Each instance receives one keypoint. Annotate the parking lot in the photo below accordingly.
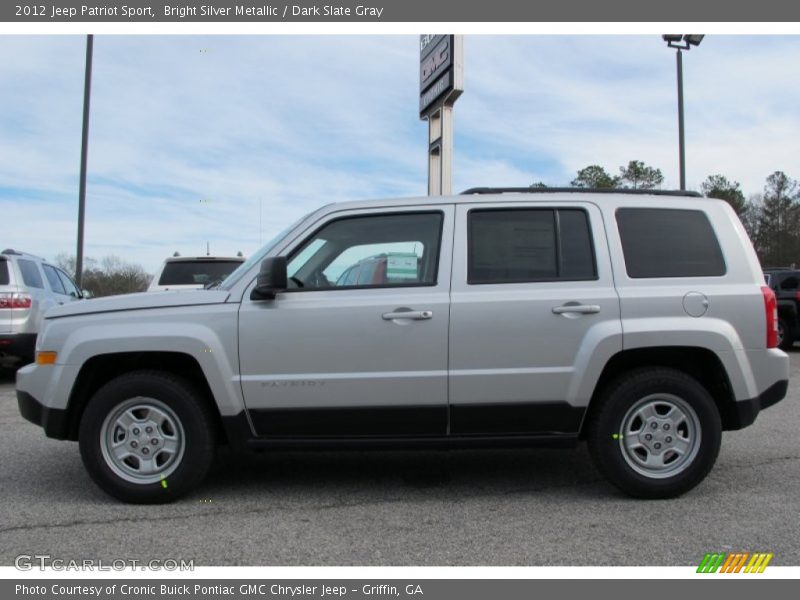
(499, 507)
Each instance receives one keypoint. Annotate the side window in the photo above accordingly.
(790, 283)
(529, 245)
(664, 242)
(370, 251)
(30, 273)
(54, 280)
(69, 286)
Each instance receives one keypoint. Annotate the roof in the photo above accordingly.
(11, 252)
(578, 190)
(483, 195)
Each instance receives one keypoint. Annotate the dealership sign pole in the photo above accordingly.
(87, 92)
(441, 81)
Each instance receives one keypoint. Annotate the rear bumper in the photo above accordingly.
(19, 345)
(746, 411)
(52, 420)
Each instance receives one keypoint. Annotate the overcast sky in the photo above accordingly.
(229, 139)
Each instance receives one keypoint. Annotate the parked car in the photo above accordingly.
(638, 322)
(381, 269)
(29, 286)
(193, 272)
(785, 282)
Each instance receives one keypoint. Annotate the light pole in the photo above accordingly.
(681, 42)
(87, 92)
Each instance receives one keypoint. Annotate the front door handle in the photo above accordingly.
(416, 315)
(581, 309)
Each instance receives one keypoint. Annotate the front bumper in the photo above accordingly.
(746, 411)
(54, 421)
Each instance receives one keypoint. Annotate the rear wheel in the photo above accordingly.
(657, 433)
(147, 437)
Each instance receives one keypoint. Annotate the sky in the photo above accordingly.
(226, 140)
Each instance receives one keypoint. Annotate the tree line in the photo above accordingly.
(108, 276)
(771, 218)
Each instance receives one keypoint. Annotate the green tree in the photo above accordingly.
(594, 176)
(718, 186)
(640, 176)
(537, 184)
(776, 222)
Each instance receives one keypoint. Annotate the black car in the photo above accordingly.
(785, 282)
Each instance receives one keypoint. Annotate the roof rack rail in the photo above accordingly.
(11, 251)
(578, 190)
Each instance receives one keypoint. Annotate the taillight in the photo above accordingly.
(15, 300)
(771, 310)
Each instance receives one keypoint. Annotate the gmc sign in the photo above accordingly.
(439, 69)
(435, 63)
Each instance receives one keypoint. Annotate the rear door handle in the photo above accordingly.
(582, 309)
(416, 315)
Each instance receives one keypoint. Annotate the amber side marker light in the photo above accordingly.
(46, 358)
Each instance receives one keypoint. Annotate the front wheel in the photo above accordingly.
(147, 437)
(656, 434)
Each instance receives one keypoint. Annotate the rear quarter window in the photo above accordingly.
(31, 276)
(4, 277)
(668, 242)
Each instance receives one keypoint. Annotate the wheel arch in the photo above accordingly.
(700, 363)
(102, 368)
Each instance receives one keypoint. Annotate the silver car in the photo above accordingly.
(29, 286)
(636, 322)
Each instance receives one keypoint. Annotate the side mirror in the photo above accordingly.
(86, 294)
(271, 279)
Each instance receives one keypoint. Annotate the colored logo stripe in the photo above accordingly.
(758, 563)
(734, 562)
(711, 562)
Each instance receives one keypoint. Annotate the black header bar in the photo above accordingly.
(373, 11)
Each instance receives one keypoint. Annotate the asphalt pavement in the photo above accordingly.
(458, 507)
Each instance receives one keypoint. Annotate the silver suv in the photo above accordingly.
(29, 286)
(639, 323)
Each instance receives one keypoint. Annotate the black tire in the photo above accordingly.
(194, 420)
(605, 432)
(788, 334)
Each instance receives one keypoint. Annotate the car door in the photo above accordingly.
(56, 284)
(71, 289)
(534, 315)
(334, 357)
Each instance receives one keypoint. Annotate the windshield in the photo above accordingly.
(256, 258)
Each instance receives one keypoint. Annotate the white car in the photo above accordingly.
(193, 272)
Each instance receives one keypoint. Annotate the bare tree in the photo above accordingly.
(109, 277)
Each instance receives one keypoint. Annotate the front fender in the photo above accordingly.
(206, 333)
